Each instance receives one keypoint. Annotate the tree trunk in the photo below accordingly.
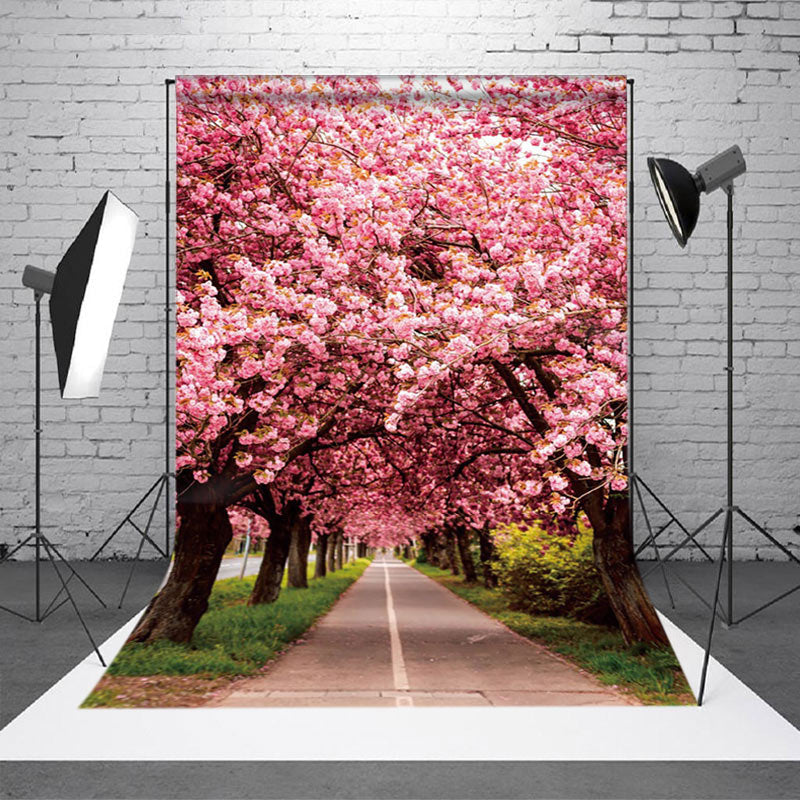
(332, 543)
(267, 587)
(340, 551)
(615, 561)
(613, 545)
(450, 550)
(487, 554)
(425, 539)
(430, 542)
(322, 552)
(202, 537)
(464, 552)
(298, 553)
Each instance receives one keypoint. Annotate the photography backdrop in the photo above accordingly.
(82, 110)
(369, 268)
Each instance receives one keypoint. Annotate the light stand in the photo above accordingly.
(162, 483)
(678, 192)
(84, 296)
(40, 542)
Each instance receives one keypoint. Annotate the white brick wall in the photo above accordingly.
(81, 109)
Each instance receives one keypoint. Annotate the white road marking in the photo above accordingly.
(398, 663)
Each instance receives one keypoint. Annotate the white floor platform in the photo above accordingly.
(733, 724)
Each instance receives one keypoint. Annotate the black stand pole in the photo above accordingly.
(162, 483)
(638, 488)
(167, 300)
(40, 541)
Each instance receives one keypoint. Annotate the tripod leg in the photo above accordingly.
(6, 558)
(785, 550)
(693, 534)
(111, 536)
(53, 606)
(65, 588)
(74, 573)
(720, 609)
(672, 517)
(792, 557)
(18, 614)
(130, 574)
(652, 539)
(145, 534)
(128, 518)
(772, 602)
(22, 544)
(646, 542)
(146, 537)
(707, 654)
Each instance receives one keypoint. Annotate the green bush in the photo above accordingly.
(422, 556)
(550, 574)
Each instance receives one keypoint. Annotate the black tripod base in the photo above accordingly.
(54, 556)
(726, 613)
(731, 621)
(641, 491)
(153, 494)
(159, 487)
(719, 612)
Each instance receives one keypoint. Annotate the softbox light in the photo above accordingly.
(86, 293)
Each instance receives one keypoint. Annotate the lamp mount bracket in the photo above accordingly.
(40, 280)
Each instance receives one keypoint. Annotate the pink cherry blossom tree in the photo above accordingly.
(419, 284)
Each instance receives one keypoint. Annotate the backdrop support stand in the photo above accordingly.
(162, 483)
(635, 483)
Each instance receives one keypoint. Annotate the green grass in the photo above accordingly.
(652, 674)
(233, 638)
(102, 698)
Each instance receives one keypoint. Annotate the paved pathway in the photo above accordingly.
(396, 637)
(232, 567)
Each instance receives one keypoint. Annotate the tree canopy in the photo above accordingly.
(402, 303)
(426, 277)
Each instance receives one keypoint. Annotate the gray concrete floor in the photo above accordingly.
(763, 652)
(34, 656)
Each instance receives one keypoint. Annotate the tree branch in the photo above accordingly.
(536, 419)
(489, 451)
